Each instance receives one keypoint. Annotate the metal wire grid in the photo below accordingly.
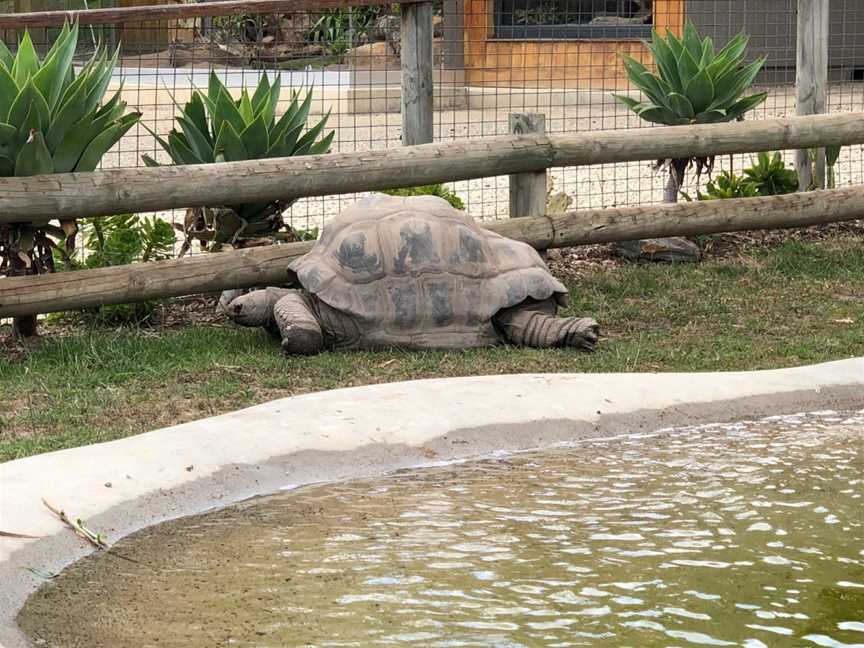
(356, 76)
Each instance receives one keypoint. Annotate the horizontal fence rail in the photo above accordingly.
(152, 189)
(269, 265)
(122, 15)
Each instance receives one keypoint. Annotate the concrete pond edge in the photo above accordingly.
(122, 486)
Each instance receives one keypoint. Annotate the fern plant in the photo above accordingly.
(215, 127)
(120, 240)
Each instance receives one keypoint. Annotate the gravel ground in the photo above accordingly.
(486, 198)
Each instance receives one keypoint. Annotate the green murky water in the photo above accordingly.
(749, 535)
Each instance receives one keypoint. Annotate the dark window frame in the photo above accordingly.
(565, 32)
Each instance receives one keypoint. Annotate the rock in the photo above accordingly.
(671, 250)
(374, 56)
(387, 29)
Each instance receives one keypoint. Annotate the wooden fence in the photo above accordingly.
(151, 189)
(107, 192)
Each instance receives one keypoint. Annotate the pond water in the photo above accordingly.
(745, 535)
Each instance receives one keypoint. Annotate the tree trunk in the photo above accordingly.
(674, 249)
(25, 325)
(677, 169)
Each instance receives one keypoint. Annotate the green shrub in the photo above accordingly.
(728, 185)
(120, 240)
(770, 176)
(429, 190)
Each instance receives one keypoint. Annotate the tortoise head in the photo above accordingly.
(252, 309)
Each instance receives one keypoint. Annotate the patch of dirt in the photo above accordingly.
(576, 262)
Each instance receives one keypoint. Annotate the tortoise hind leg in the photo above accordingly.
(297, 324)
(535, 325)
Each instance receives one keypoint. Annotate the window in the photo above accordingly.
(573, 19)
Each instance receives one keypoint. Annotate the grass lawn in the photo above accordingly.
(797, 303)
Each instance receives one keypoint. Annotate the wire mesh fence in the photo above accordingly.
(491, 58)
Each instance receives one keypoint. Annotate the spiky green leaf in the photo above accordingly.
(730, 89)
(196, 140)
(667, 63)
(660, 115)
(688, 68)
(680, 105)
(707, 52)
(8, 92)
(71, 111)
(101, 144)
(261, 93)
(29, 99)
(630, 102)
(304, 144)
(8, 140)
(692, 41)
(745, 105)
(255, 139)
(180, 151)
(229, 146)
(26, 61)
(244, 106)
(711, 117)
(700, 91)
(7, 167)
(55, 70)
(34, 158)
(7, 60)
(226, 111)
(195, 112)
(319, 148)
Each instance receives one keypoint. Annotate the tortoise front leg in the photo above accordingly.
(297, 323)
(535, 325)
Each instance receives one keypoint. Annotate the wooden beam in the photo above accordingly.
(174, 11)
(151, 189)
(269, 265)
(416, 54)
(811, 81)
(527, 190)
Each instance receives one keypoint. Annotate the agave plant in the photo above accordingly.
(215, 127)
(52, 121)
(694, 84)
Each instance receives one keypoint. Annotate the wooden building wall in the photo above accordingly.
(588, 64)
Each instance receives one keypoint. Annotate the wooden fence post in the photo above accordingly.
(528, 190)
(811, 81)
(416, 55)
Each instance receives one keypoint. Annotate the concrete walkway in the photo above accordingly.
(124, 485)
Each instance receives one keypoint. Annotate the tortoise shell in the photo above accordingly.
(407, 268)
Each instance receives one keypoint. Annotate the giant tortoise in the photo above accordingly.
(414, 273)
